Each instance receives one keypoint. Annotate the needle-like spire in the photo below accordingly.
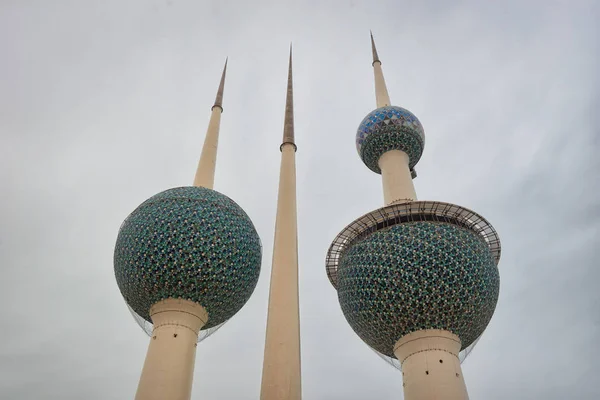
(381, 93)
(281, 377)
(288, 127)
(375, 55)
(219, 98)
(205, 174)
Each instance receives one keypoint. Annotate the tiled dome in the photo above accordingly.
(389, 128)
(418, 275)
(191, 243)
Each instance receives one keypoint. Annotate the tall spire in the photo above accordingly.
(381, 93)
(281, 377)
(205, 173)
(288, 127)
(219, 98)
(374, 49)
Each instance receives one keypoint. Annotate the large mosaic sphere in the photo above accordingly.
(418, 275)
(389, 128)
(190, 243)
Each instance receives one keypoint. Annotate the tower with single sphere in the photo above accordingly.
(186, 260)
(416, 280)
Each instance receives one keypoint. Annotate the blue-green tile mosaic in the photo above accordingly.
(389, 128)
(418, 275)
(191, 243)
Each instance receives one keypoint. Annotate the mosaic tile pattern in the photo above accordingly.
(418, 275)
(192, 243)
(389, 128)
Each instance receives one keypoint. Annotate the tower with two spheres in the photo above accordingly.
(416, 280)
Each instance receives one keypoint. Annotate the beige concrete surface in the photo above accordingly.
(205, 174)
(397, 182)
(281, 377)
(430, 366)
(169, 367)
(381, 93)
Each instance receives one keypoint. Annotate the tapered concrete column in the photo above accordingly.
(381, 93)
(205, 174)
(281, 378)
(430, 366)
(397, 181)
(169, 366)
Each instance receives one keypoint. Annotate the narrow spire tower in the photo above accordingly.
(186, 260)
(205, 174)
(281, 379)
(417, 280)
(381, 94)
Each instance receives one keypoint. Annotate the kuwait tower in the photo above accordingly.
(417, 280)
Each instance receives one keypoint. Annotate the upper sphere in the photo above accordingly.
(414, 276)
(389, 128)
(191, 243)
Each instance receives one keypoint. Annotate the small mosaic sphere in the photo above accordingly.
(188, 243)
(414, 276)
(389, 128)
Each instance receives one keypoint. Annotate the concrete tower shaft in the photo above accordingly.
(430, 365)
(381, 93)
(281, 378)
(205, 174)
(169, 366)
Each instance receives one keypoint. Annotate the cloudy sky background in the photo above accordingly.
(105, 103)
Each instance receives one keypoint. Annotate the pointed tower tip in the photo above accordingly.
(375, 55)
(288, 127)
(219, 98)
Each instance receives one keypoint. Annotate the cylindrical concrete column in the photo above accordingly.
(281, 378)
(381, 93)
(397, 181)
(430, 366)
(205, 174)
(169, 367)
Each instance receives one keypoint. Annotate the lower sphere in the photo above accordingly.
(191, 243)
(418, 275)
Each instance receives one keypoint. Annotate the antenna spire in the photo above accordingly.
(374, 49)
(219, 98)
(288, 126)
(205, 173)
(381, 93)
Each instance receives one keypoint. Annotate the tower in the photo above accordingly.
(416, 280)
(281, 365)
(186, 260)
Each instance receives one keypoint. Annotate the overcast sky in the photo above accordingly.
(105, 103)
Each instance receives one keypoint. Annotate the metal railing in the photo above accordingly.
(413, 211)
